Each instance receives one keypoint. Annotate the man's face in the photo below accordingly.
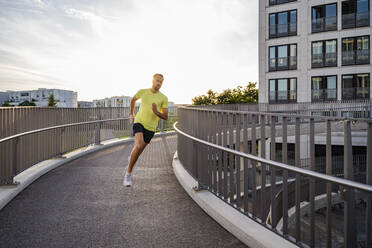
(157, 81)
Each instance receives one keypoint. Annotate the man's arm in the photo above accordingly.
(163, 114)
(132, 105)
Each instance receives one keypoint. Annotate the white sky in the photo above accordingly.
(103, 48)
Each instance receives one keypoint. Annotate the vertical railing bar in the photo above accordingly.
(312, 183)
(298, 180)
(254, 167)
(272, 172)
(369, 182)
(285, 176)
(263, 168)
(237, 147)
(219, 142)
(349, 209)
(329, 185)
(231, 157)
(225, 172)
(246, 169)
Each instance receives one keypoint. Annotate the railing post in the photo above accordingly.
(329, 185)
(98, 133)
(349, 201)
(369, 182)
(161, 126)
(15, 160)
(60, 142)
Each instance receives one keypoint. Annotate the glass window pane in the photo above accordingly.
(272, 23)
(362, 89)
(293, 50)
(316, 88)
(348, 51)
(347, 81)
(332, 82)
(362, 50)
(362, 6)
(331, 17)
(331, 10)
(293, 22)
(293, 89)
(272, 55)
(282, 56)
(331, 46)
(318, 47)
(317, 12)
(348, 91)
(331, 91)
(283, 23)
(317, 56)
(272, 90)
(282, 89)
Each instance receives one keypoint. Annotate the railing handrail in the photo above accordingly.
(57, 127)
(291, 115)
(63, 126)
(313, 174)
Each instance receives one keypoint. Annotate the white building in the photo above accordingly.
(64, 98)
(311, 51)
(4, 97)
(85, 104)
(115, 101)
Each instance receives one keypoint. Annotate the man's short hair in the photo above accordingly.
(158, 74)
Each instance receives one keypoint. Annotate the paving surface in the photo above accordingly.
(83, 204)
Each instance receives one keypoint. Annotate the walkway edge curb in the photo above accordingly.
(246, 230)
(25, 178)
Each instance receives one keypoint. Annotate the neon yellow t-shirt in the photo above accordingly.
(145, 116)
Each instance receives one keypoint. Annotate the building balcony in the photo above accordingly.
(355, 93)
(320, 95)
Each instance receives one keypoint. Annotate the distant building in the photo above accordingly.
(4, 96)
(85, 104)
(115, 101)
(64, 98)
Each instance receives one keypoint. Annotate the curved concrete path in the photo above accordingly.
(83, 204)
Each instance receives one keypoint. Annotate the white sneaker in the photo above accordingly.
(127, 182)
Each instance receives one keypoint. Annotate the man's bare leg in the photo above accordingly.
(139, 146)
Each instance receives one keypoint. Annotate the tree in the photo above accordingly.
(209, 99)
(27, 103)
(52, 102)
(6, 104)
(249, 94)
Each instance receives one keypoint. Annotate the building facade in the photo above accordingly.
(4, 97)
(85, 104)
(314, 51)
(115, 101)
(64, 98)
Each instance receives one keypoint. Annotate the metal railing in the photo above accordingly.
(361, 108)
(22, 119)
(21, 151)
(232, 154)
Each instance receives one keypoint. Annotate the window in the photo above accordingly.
(283, 57)
(24, 93)
(355, 13)
(324, 53)
(324, 18)
(355, 50)
(324, 88)
(283, 90)
(275, 2)
(283, 24)
(355, 86)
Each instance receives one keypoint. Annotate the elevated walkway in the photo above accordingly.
(83, 204)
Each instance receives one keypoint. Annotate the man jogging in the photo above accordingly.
(154, 105)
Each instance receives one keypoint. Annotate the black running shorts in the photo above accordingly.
(147, 134)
